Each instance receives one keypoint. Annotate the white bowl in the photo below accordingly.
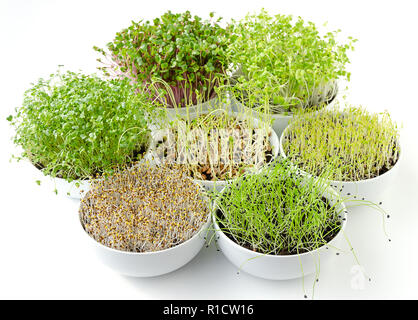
(281, 267)
(368, 190)
(74, 190)
(150, 264)
(219, 185)
(78, 188)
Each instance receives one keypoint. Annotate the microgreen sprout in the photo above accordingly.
(75, 126)
(144, 209)
(279, 212)
(179, 54)
(217, 145)
(281, 63)
(358, 144)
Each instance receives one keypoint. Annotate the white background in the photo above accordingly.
(43, 252)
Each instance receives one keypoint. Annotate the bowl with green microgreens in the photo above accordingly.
(216, 147)
(275, 224)
(73, 127)
(181, 58)
(361, 148)
(145, 220)
(282, 64)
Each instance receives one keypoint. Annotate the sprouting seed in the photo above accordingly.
(143, 209)
(271, 213)
(216, 145)
(356, 144)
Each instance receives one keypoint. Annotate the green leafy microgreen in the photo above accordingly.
(74, 126)
(278, 211)
(185, 52)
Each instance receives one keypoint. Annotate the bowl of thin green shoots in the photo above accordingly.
(275, 224)
(361, 147)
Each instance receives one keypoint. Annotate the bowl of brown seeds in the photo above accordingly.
(146, 220)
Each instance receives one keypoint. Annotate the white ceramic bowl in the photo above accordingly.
(219, 184)
(277, 267)
(150, 264)
(368, 190)
(74, 190)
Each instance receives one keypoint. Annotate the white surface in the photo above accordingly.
(43, 250)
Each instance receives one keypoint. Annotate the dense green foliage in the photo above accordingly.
(282, 63)
(184, 51)
(76, 126)
(278, 212)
